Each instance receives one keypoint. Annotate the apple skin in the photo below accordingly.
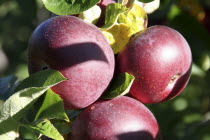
(122, 118)
(79, 51)
(160, 59)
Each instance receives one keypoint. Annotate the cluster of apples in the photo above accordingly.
(159, 57)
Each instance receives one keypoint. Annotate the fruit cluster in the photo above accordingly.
(158, 57)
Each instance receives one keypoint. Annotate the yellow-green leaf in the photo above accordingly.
(136, 19)
(118, 36)
(128, 24)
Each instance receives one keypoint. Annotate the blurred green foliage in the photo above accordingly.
(187, 117)
(18, 18)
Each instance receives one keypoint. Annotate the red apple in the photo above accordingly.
(122, 118)
(160, 59)
(79, 51)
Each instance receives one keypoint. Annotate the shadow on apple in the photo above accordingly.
(80, 53)
(139, 135)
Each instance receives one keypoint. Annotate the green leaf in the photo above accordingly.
(27, 133)
(7, 85)
(46, 128)
(69, 7)
(19, 103)
(14, 109)
(47, 109)
(120, 86)
(62, 127)
(9, 129)
(113, 10)
(145, 1)
(42, 78)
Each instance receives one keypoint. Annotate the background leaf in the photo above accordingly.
(15, 108)
(7, 86)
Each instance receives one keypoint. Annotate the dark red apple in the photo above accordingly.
(160, 59)
(122, 118)
(79, 51)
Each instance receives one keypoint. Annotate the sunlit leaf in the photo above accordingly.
(118, 36)
(128, 23)
(69, 7)
(136, 19)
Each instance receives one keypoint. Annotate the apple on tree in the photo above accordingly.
(160, 59)
(79, 51)
(122, 118)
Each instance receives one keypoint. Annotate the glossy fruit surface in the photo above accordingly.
(79, 51)
(160, 59)
(122, 118)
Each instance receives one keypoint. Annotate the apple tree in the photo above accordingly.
(104, 70)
